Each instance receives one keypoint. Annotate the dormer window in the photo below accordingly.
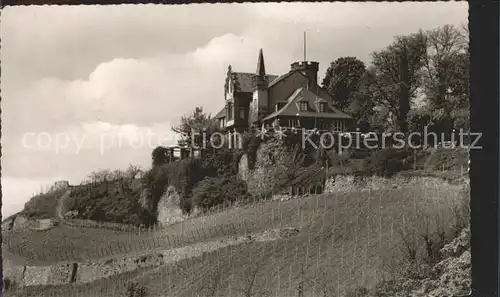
(303, 105)
(322, 107)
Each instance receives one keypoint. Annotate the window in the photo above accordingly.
(242, 113)
(337, 126)
(293, 123)
(229, 111)
(322, 107)
(303, 105)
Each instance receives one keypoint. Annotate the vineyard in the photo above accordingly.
(346, 241)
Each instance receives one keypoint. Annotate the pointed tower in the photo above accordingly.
(259, 105)
(261, 68)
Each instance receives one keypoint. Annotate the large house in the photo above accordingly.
(291, 100)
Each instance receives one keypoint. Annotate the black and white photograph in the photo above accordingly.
(236, 150)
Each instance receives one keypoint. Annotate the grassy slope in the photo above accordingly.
(346, 238)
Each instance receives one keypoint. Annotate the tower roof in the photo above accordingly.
(261, 69)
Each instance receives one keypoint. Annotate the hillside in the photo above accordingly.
(42, 206)
(383, 213)
(115, 198)
(109, 201)
(344, 241)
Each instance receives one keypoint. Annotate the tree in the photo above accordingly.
(219, 190)
(342, 79)
(361, 106)
(133, 170)
(395, 75)
(419, 118)
(445, 76)
(193, 126)
(160, 156)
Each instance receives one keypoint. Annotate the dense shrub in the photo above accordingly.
(186, 174)
(251, 144)
(218, 162)
(219, 190)
(386, 162)
(446, 159)
(109, 202)
(183, 175)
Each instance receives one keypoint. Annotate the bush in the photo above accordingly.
(216, 191)
(251, 144)
(109, 202)
(186, 174)
(217, 162)
(183, 175)
(387, 162)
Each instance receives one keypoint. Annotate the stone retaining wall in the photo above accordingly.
(92, 271)
(340, 183)
(36, 275)
(60, 274)
(22, 223)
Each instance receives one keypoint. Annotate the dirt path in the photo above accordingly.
(60, 203)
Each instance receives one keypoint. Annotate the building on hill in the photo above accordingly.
(58, 185)
(291, 100)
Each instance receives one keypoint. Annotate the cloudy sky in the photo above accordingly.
(95, 87)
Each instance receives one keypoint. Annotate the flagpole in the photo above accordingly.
(305, 46)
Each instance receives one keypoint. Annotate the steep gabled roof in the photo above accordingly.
(243, 81)
(281, 77)
(221, 113)
(302, 94)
